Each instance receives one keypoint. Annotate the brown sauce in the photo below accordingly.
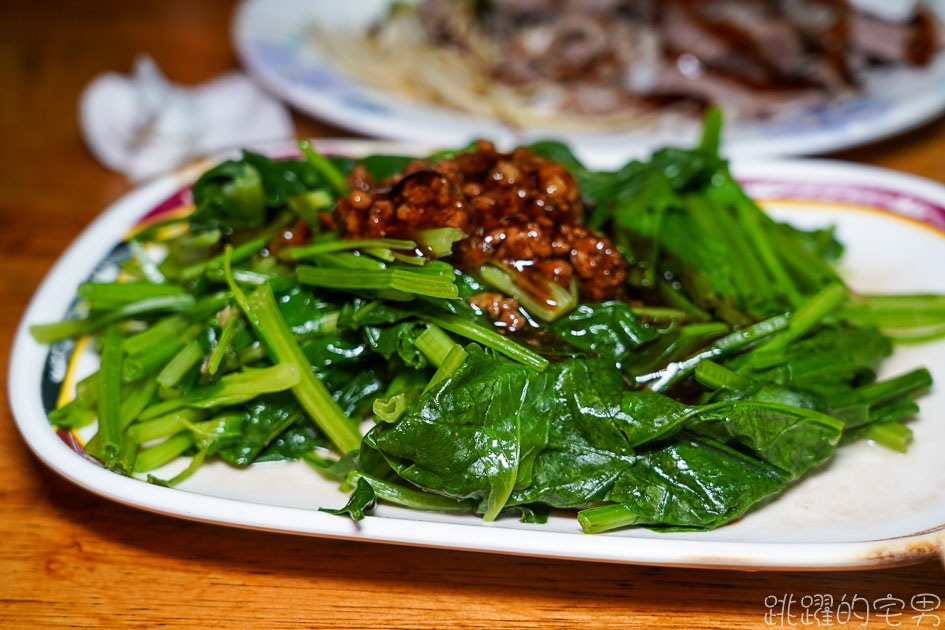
(517, 209)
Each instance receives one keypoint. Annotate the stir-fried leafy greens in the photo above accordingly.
(744, 363)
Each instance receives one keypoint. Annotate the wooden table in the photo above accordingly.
(68, 557)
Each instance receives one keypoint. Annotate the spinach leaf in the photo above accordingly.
(831, 360)
(689, 484)
(361, 500)
(333, 350)
(238, 193)
(585, 453)
(282, 179)
(382, 167)
(535, 513)
(273, 427)
(475, 434)
(300, 438)
(398, 340)
(229, 195)
(559, 152)
(505, 435)
(609, 330)
(220, 432)
(268, 416)
(793, 439)
(303, 312)
(355, 387)
(336, 469)
(361, 312)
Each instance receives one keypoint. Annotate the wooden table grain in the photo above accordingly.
(70, 558)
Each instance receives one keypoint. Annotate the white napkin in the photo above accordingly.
(143, 124)
(892, 10)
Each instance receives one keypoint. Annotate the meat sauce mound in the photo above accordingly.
(517, 209)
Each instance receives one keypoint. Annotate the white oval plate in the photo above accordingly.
(272, 39)
(869, 507)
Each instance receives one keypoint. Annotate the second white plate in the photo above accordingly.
(273, 39)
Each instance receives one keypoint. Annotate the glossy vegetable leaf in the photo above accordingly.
(360, 312)
(268, 416)
(599, 443)
(397, 340)
(354, 388)
(220, 432)
(300, 438)
(383, 166)
(282, 179)
(238, 193)
(475, 434)
(832, 359)
(690, 484)
(334, 350)
(609, 330)
(794, 439)
(363, 499)
(230, 194)
(306, 314)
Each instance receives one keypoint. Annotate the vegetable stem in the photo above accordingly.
(238, 253)
(396, 279)
(391, 408)
(308, 251)
(165, 452)
(607, 517)
(452, 362)
(488, 338)
(440, 240)
(263, 313)
(109, 399)
(107, 295)
(715, 376)
(434, 344)
(186, 358)
(51, 333)
(892, 435)
(548, 302)
(157, 355)
(233, 324)
(334, 178)
(729, 344)
(164, 426)
(807, 316)
(750, 217)
(309, 205)
(238, 387)
(135, 402)
(884, 391)
(159, 333)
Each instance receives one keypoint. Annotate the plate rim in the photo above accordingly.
(908, 115)
(27, 358)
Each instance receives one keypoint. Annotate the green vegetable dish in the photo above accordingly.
(499, 334)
